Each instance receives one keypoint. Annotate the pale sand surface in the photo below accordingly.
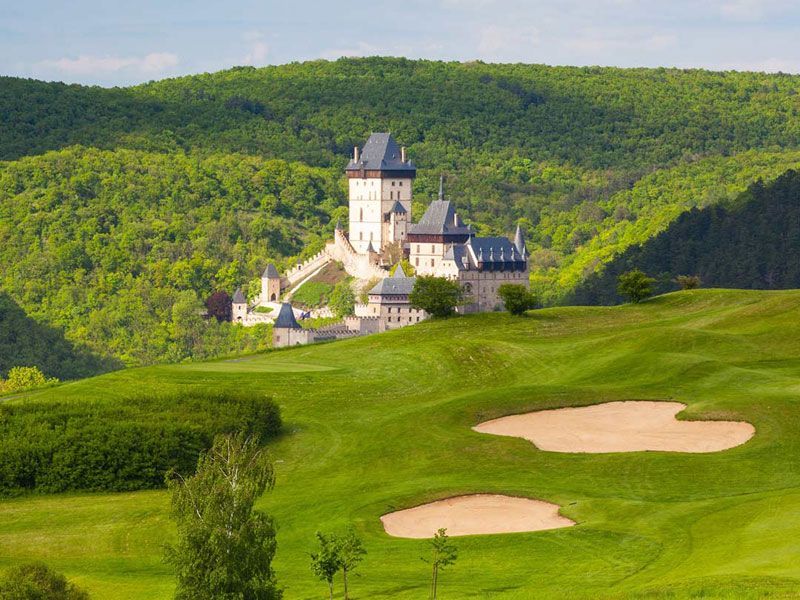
(629, 426)
(475, 514)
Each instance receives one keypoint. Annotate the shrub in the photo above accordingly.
(517, 298)
(343, 300)
(436, 295)
(688, 282)
(635, 285)
(37, 581)
(218, 306)
(25, 378)
(120, 445)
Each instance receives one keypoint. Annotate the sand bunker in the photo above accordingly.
(631, 426)
(475, 514)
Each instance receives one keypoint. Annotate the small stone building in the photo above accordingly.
(389, 302)
(270, 285)
(286, 331)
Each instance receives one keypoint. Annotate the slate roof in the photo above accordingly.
(271, 272)
(238, 297)
(399, 272)
(398, 208)
(494, 249)
(441, 218)
(519, 241)
(395, 286)
(459, 254)
(381, 152)
(285, 318)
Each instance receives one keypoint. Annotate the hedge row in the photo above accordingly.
(120, 445)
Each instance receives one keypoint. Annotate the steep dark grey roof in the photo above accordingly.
(238, 297)
(394, 286)
(285, 318)
(519, 241)
(370, 247)
(494, 249)
(398, 208)
(271, 272)
(440, 218)
(381, 152)
(399, 273)
(458, 253)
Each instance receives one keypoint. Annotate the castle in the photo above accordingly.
(380, 232)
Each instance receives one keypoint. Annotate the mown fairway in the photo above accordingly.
(383, 422)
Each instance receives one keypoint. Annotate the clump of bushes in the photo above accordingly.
(120, 444)
(25, 378)
(36, 580)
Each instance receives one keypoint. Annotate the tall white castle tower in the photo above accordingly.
(380, 178)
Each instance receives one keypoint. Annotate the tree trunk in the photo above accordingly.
(344, 576)
(330, 587)
(433, 581)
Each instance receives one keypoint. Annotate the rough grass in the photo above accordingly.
(388, 427)
(312, 294)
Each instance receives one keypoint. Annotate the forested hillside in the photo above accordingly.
(752, 243)
(121, 248)
(116, 203)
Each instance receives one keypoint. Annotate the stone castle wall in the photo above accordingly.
(357, 265)
(304, 269)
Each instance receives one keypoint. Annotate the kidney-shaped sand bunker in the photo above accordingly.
(629, 426)
(475, 514)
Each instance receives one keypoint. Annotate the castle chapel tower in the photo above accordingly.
(380, 177)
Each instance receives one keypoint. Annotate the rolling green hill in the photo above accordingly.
(383, 422)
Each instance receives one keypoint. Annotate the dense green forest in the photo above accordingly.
(121, 248)
(25, 341)
(121, 209)
(753, 242)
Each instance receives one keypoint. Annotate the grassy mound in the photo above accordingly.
(387, 427)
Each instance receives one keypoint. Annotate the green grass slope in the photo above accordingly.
(383, 422)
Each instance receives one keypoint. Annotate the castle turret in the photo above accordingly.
(286, 331)
(380, 175)
(270, 284)
(238, 306)
(519, 242)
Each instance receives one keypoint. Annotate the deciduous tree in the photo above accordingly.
(327, 560)
(225, 547)
(342, 300)
(635, 285)
(688, 282)
(444, 554)
(218, 305)
(516, 298)
(351, 553)
(436, 295)
(37, 581)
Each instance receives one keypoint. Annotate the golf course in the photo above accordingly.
(384, 423)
